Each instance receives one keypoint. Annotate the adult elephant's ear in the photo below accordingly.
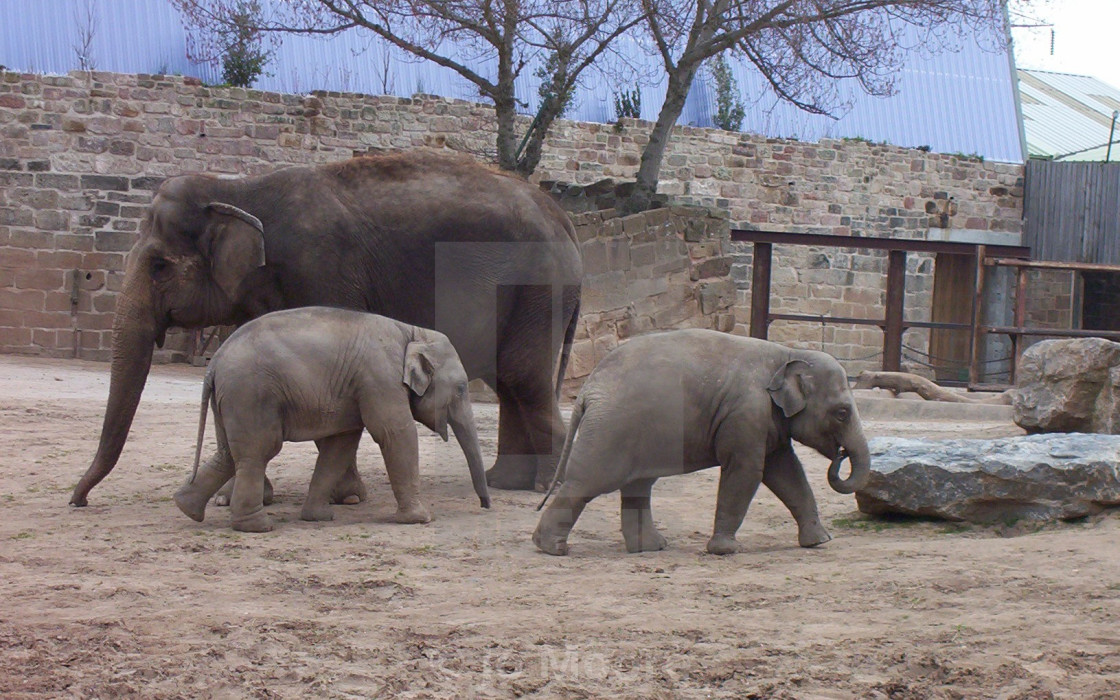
(233, 243)
(418, 366)
(790, 386)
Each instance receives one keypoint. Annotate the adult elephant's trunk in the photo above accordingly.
(462, 424)
(135, 331)
(854, 445)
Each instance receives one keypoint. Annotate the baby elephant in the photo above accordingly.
(323, 374)
(675, 402)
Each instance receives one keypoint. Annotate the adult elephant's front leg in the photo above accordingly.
(785, 476)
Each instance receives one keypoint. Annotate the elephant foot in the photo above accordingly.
(191, 503)
(349, 491)
(646, 542)
(256, 522)
(723, 544)
(319, 512)
(813, 535)
(412, 516)
(223, 496)
(513, 473)
(553, 545)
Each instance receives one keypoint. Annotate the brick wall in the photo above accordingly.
(80, 155)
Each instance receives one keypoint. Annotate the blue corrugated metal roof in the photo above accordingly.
(953, 102)
(1067, 117)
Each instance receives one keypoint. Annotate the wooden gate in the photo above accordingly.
(954, 286)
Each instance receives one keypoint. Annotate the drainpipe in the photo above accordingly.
(1111, 131)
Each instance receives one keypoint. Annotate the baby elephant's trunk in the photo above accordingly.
(854, 446)
(462, 424)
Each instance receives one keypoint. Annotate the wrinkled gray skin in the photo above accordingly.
(675, 402)
(324, 374)
(431, 240)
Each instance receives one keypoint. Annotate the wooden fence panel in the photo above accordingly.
(1072, 211)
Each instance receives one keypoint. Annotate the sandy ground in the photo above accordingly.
(128, 597)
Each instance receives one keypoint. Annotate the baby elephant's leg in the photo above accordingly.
(401, 452)
(637, 518)
(785, 476)
(558, 519)
(247, 505)
(349, 490)
(336, 456)
(192, 496)
(224, 494)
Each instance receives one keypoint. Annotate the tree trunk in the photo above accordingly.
(899, 382)
(680, 82)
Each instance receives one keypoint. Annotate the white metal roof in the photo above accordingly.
(1067, 117)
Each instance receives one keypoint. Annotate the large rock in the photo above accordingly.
(1034, 477)
(1067, 386)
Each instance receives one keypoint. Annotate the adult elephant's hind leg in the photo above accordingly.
(530, 428)
(515, 468)
(637, 518)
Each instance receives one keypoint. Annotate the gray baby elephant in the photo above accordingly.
(324, 374)
(675, 402)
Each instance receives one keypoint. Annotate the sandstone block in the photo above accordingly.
(1068, 385)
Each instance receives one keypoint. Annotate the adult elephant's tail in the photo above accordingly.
(566, 350)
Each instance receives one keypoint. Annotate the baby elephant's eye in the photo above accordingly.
(462, 390)
(843, 414)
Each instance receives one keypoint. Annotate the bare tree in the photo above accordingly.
(801, 47)
(85, 17)
(487, 42)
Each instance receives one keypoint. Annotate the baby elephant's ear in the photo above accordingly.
(788, 388)
(418, 367)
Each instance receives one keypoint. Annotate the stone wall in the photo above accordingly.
(80, 155)
(658, 270)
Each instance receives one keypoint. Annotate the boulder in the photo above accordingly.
(1068, 385)
(1054, 476)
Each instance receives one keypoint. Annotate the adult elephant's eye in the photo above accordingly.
(843, 414)
(160, 268)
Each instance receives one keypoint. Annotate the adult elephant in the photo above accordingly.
(432, 240)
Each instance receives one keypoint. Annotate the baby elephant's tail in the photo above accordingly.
(207, 392)
(562, 465)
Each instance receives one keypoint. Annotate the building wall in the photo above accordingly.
(81, 154)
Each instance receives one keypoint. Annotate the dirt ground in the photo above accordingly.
(128, 597)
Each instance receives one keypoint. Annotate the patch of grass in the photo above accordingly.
(24, 535)
(968, 156)
(954, 528)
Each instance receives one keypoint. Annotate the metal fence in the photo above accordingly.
(1072, 211)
